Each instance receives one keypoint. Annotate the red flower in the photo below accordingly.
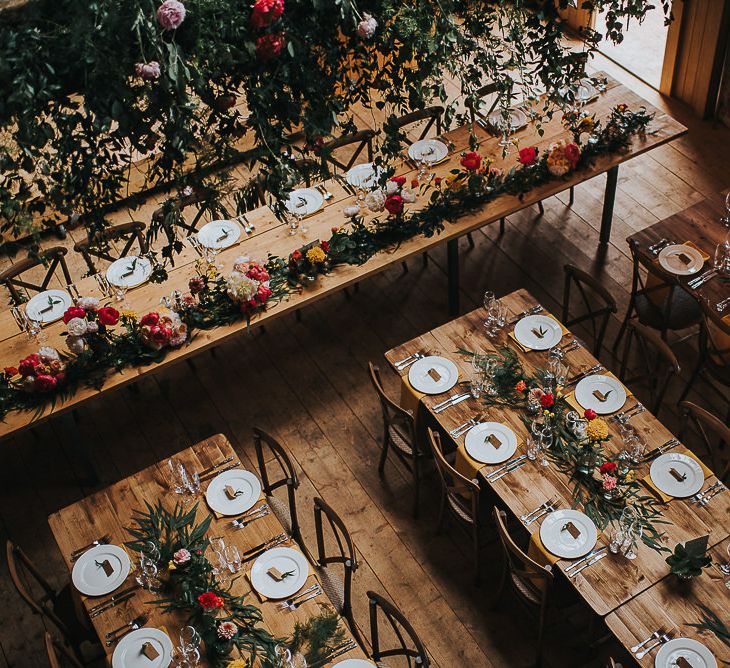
(590, 414)
(28, 366)
(160, 335)
(265, 12)
(108, 315)
(73, 312)
(325, 246)
(400, 180)
(196, 285)
(335, 229)
(263, 293)
(607, 468)
(210, 601)
(269, 46)
(150, 319)
(528, 155)
(471, 161)
(10, 371)
(547, 400)
(572, 154)
(414, 183)
(520, 386)
(394, 204)
(437, 181)
(44, 383)
(296, 255)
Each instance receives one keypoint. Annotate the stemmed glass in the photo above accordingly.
(149, 557)
(505, 127)
(233, 558)
(34, 329)
(634, 444)
(546, 442)
(557, 371)
(477, 382)
(190, 644)
(120, 292)
(496, 317)
(631, 530)
(182, 483)
(489, 297)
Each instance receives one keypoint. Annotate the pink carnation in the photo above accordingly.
(367, 27)
(148, 71)
(170, 14)
(609, 482)
(182, 556)
(227, 630)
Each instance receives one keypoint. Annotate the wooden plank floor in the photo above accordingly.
(306, 383)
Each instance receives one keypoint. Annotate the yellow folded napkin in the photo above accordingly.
(409, 398)
(465, 465)
(666, 498)
(704, 255)
(539, 553)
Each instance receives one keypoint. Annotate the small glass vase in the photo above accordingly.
(586, 460)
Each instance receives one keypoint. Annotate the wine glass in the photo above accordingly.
(496, 318)
(546, 442)
(34, 329)
(477, 382)
(147, 570)
(218, 544)
(120, 292)
(533, 447)
(489, 297)
(179, 660)
(233, 558)
(179, 476)
(190, 644)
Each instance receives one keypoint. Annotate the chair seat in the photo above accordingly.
(332, 586)
(399, 441)
(459, 509)
(281, 511)
(525, 589)
(685, 311)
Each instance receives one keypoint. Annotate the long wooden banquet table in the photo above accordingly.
(613, 581)
(272, 237)
(110, 510)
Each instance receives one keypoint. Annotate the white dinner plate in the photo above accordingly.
(119, 274)
(128, 653)
(695, 652)
(610, 387)
(421, 382)
(585, 92)
(684, 465)
(219, 234)
(559, 541)
(354, 663)
(48, 306)
(304, 201)
(479, 448)
(551, 330)
(432, 151)
(670, 259)
(89, 577)
(363, 176)
(241, 481)
(285, 560)
(517, 119)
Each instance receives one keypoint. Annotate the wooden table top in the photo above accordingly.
(613, 580)
(701, 224)
(673, 604)
(271, 236)
(110, 510)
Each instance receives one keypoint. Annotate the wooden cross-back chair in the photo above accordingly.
(55, 606)
(399, 435)
(338, 589)
(362, 140)
(657, 299)
(715, 435)
(97, 244)
(204, 199)
(460, 497)
(530, 580)
(58, 653)
(408, 645)
(432, 115)
(472, 102)
(658, 365)
(597, 304)
(52, 259)
(270, 454)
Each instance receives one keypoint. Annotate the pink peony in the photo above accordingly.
(182, 556)
(609, 482)
(367, 27)
(227, 630)
(170, 14)
(148, 71)
(269, 46)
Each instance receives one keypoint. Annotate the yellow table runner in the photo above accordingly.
(665, 497)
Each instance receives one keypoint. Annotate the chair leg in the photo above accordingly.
(417, 487)
(470, 239)
(442, 512)
(690, 383)
(502, 222)
(425, 259)
(477, 560)
(405, 267)
(356, 288)
(383, 453)
(500, 587)
(571, 199)
(621, 331)
(541, 208)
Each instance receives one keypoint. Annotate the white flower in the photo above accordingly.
(367, 27)
(375, 200)
(408, 195)
(391, 187)
(76, 344)
(89, 303)
(240, 287)
(187, 191)
(92, 327)
(351, 211)
(76, 327)
(48, 354)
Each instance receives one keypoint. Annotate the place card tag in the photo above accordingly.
(494, 441)
(539, 333)
(276, 574)
(572, 530)
(683, 663)
(679, 477)
(149, 651)
(434, 374)
(600, 396)
(684, 259)
(231, 493)
(106, 567)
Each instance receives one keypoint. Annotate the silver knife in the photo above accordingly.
(116, 597)
(587, 564)
(458, 400)
(446, 401)
(112, 604)
(592, 553)
(509, 470)
(506, 466)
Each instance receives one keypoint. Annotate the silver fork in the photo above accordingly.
(284, 605)
(242, 522)
(21, 320)
(103, 540)
(309, 597)
(544, 504)
(722, 304)
(545, 511)
(665, 637)
(103, 284)
(402, 364)
(625, 416)
(466, 426)
(708, 497)
(653, 636)
(702, 279)
(325, 193)
(701, 494)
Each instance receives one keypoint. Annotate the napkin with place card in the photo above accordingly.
(679, 477)
(231, 493)
(600, 395)
(683, 663)
(277, 575)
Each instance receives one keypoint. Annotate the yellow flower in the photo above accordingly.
(587, 123)
(126, 313)
(316, 255)
(597, 430)
(171, 565)
(237, 663)
(630, 476)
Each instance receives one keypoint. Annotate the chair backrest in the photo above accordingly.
(461, 493)
(276, 457)
(401, 420)
(363, 139)
(432, 115)
(58, 652)
(715, 435)
(171, 213)
(21, 568)
(473, 102)
(52, 259)
(714, 337)
(97, 244)
(657, 363)
(534, 577)
(400, 632)
(597, 304)
(335, 547)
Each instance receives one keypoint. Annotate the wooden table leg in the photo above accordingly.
(608, 202)
(452, 252)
